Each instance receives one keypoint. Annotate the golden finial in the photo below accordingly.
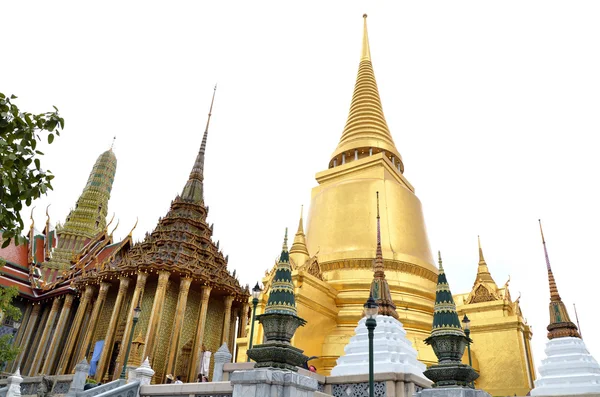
(481, 258)
(31, 216)
(113, 143)
(301, 223)
(366, 50)
(440, 261)
(377, 193)
(210, 109)
(285, 247)
(111, 220)
(118, 221)
(134, 226)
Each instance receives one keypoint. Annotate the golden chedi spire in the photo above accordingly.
(366, 128)
(483, 273)
(560, 323)
(299, 253)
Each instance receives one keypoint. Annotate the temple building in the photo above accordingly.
(78, 288)
(497, 319)
(333, 260)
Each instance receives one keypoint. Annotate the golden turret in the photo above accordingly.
(299, 253)
(483, 273)
(366, 129)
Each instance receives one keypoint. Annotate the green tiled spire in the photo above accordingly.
(445, 317)
(88, 218)
(281, 298)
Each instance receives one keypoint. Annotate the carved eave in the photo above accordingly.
(312, 267)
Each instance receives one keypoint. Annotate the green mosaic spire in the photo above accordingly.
(88, 218)
(281, 298)
(445, 317)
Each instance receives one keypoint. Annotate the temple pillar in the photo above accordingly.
(232, 322)
(35, 344)
(227, 319)
(244, 320)
(156, 314)
(112, 327)
(135, 299)
(75, 327)
(195, 357)
(28, 334)
(40, 353)
(89, 333)
(58, 334)
(184, 288)
(19, 336)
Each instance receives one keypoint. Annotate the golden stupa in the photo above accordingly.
(333, 262)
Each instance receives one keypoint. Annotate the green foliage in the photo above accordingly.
(8, 351)
(22, 178)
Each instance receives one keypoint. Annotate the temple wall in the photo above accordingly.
(147, 302)
(188, 332)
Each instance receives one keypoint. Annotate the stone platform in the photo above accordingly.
(452, 392)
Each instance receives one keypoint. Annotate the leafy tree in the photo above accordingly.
(8, 350)
(21, 175)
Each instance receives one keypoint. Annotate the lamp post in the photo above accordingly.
(371, 309)
(16, 325)
(255, 294)
(467, 327)
(136, 315)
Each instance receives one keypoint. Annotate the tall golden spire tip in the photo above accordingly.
(541, 231)
(366, 50)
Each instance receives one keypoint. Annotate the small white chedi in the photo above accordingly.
(567, 369)
(392, 351)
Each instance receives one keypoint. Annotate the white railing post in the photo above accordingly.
(144, 374)
(13, 383)
(81, 372)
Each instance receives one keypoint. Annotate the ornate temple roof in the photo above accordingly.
(366, 127)
(380, 290)
(281, 296)
(445, 317)
(182, 240)
(560, 322)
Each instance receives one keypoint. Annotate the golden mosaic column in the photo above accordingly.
(28, 334)
(184, 288)
(139, 289)
(244, 320)
(156, 314)
(75, 328)
(227, 319)
(197, 350)
(112, 327)
(231, 341)
(89, 333)
(41, 349)
(58, 334)
(19, 336)
(35, 343)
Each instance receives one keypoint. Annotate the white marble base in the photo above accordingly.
(568, 369)
(272, 383)
(452, 392)
(393, 352)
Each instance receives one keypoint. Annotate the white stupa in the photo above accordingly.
(568, 369)
(392, 351)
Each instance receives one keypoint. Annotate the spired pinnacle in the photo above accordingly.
(483, 273)
(560, 323)
(366, 129)
(380, 289)
(194, 188)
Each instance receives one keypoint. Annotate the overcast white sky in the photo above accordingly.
(493, 105)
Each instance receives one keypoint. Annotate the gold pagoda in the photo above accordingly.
(333, 259)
